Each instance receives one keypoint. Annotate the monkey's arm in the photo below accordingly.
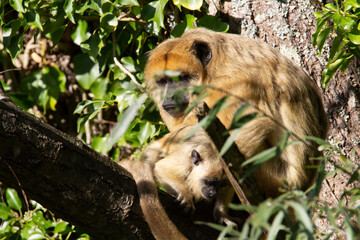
(160, 224)
(171, 172)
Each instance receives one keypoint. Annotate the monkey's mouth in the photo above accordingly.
(175, 109)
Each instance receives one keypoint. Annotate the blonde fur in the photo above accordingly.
(257, 73)
(169, 161)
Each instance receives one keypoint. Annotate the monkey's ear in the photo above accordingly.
(202, 52)
(195, 157)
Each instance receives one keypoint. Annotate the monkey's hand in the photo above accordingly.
(186, 200)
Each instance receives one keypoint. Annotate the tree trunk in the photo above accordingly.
(76, 183)
(288, 26)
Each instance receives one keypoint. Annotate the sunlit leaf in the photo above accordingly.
(124, 122)
(80, 34)
(17, 5)
(69, 10)
(189, 4)
(302, 216)
(12, 199)
(108, 22)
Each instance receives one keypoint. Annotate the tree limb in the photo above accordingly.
(75, 182)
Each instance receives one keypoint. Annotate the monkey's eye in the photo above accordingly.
(163, 81)
(212, 182)
(184, 78)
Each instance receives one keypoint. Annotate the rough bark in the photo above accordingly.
(288, 26)
(77, 183)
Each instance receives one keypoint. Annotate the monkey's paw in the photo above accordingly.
(186, 200)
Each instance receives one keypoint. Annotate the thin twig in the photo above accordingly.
(9, 70)
(331, 191)
(117, 63)
(19, 183)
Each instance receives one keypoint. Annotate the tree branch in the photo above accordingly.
(76, 183)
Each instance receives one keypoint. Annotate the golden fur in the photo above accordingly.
(257, 73)
(172, 162)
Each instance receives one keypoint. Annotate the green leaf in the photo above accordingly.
(33, 18)
(99, 87)
(61, 227)
(159, 12)
(213, 23)
(124, 122)
(80, 34)
(45, 86)
(239, 120)
(15, 46)
(276, 226)
(86, 71)
(189, 4)
(12, 199)
(323, 35)
(5, 211)
(108, 22)
(331, 7)
(344, 22)
(17, 5)
(128, 63)
(147, 130)
(229, 142)
(69, 10)
(335, 46)
(259, 159)
(186, 24)
(302, 215)
(354, 35)
(92, 46)
(129, 3)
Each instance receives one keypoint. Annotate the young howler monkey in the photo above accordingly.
(188, 169)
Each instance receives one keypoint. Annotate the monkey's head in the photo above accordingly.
(186, 56)
(206, 176)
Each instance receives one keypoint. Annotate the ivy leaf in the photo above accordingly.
(15, 46)
(108, 22)
(159, 12)
(69, 10)
(33, 18)
(80, 34)
(17, 5)
(86, 71)
(187, 23)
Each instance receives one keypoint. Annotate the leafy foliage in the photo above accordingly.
(106, 44)
(343, 20)
(37, 223)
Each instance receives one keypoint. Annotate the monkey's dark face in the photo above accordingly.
(175, 101)
(210, 187)
(211, 183)
(190, 59)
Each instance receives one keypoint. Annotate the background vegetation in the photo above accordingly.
(66, 57)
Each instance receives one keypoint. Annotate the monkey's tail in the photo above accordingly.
(160, 225)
